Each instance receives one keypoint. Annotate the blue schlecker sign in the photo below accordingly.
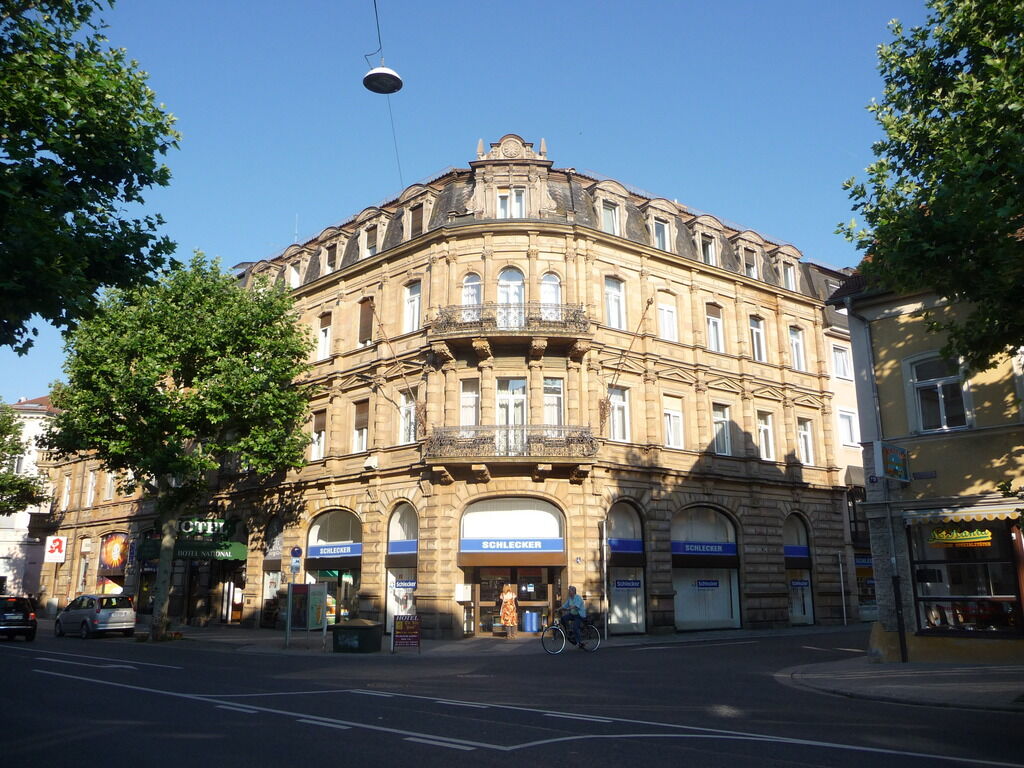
(511, 545)
(799, 583)
(627, 583)
(794, 551)
(403, 547)
(631, 546)
(703, 548)
(707, 583)
(405, 584)
(335, 550)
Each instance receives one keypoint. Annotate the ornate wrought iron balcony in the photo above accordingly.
(528, 318)
(536, 441)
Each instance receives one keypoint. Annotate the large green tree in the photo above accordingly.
(17, 490)
(80, 140)
(943, 203)
(168, 380)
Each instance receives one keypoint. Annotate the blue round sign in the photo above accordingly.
(296, 551)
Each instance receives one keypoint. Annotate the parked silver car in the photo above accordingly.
(89, 615)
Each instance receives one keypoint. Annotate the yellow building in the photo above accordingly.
(938, 442)
(532, 376)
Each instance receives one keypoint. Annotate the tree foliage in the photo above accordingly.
(167, 381)
(943, 202)
(80, 138)
(17, 491)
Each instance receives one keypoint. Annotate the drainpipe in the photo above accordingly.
(897, 590)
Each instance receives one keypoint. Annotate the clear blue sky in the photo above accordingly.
(753, 111)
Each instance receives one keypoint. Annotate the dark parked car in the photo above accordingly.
(17, 617)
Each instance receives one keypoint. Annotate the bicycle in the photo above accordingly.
(554, 636)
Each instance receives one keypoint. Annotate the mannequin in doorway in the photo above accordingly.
(509, 611)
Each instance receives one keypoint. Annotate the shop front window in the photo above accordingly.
(965, 578)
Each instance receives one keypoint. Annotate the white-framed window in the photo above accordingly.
(553, 402)
(848, 428)
(411, 312)
(472, 297)
(469, 402)
(765, 436)
(721, 421)
(512, 203)
(788, 276)
(708, 252)
(672, 410)
(668, 327)
(370, 241)
(615, 303)
(757, 348)
(610, 218)
(716, 331)
(938, 394)
(65, 496)
(805, 440)
(618, 413)
(841, 365)
(318, 445)
(750, 263)
(109, 486)
(407, 418)
(330, 258)
(295, 274)
(90, 493)
(661, 234)
(323, 337)
(798, 358)
(360, 426)
(550, 297)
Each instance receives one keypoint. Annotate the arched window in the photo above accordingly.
(403, 530)
(551, 297)
(335, 534)
(511, 298)
(794, 537)
(472, 297)
(500, 526)
(702, 525)
(624, 531)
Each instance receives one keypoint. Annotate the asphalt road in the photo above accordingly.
(116, 702)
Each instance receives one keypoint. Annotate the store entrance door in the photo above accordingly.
(535, 588)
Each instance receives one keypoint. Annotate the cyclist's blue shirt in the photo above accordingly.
(574, 605)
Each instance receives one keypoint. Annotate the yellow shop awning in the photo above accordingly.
(960, 514)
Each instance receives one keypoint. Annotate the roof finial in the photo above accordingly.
(479, 149)
(543, 148)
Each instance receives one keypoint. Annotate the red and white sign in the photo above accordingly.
(56, 549)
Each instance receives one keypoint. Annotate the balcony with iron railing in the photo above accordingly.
(547, 443)
(526, 319)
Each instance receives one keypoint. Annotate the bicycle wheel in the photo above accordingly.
(553, 639)
(590, 638)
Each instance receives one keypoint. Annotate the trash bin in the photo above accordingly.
(357, 636)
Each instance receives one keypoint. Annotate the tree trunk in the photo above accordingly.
(162, 585)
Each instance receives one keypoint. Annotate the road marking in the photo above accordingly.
(85, 656)
(461, 704)
(84, 664)
(581, 717)
(246, 710)
(440, 743)
(691, 645)
(339, 726)
(851, 650)
(372, 693)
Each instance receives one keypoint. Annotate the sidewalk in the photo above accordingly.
(963, 686)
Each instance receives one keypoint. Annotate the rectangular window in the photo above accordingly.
(371, 241)
(65, 497)
(618, 413)
(805, 441)
(707, 250)
(848, 432)
(553, 402)
(940, 394)
(365, 322)
(765, 438)
(667, 326)
(672, 410)
(416, 220)
(757, 349)
(407, 418)
(796, 349)
(90, 494)
(661, 234)
(469, 402)
(512, 203)
(323, 338)
(614, 303)
(411, 318)
(610, 218)
(788, 276)
(716, 337)
(720, 416)
(318, 445)
(750, 263)
(108, 488)
(294, 275)
(360, 426)
(841, 362)
(331, 259)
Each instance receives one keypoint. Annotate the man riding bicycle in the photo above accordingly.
(573, 613)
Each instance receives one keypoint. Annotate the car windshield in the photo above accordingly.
(115, 602)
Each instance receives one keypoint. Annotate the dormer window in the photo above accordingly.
(750, 263)
(331, 259)
(512, 203)
(788, 276)
(610, 218)
(371, 241)
(707, 250)
(661, 234)
(416, 220)
(295, 274)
